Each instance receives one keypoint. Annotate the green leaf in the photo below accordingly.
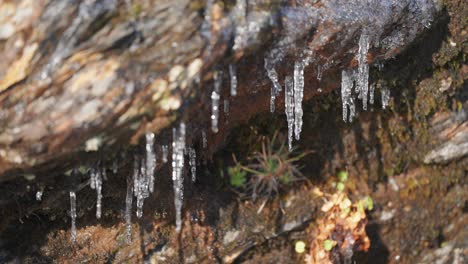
(340, 186)
(342, 176)
(328, 244)
(237, 177)
(369, 203)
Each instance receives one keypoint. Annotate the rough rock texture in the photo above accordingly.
(146, 65)
(83, 75)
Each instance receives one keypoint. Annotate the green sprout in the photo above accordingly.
(342, 176)
(328, 244)
(340, 186)
(237, 176)
(368, 203)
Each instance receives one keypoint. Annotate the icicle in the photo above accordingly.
(215, 96)
(193, 163)
(319, 72)
(128, 210)
(39, 195)
(204, 139)
(98, 186)
(150, 160)
(272, 100)
(346, 97)
(140, 185)
(233, 75)
(73, 215)
(178, 146)
(385, 92)
(362, 83)
(273, 76)
(371, 93)
(165, 152)
(299, 66)
(289, 107)
(226, 106)
(92, 179)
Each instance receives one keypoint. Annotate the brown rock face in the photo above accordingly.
(83, 75)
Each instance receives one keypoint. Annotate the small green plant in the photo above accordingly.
(342, 178)
(237, 176)
(329, 244)
(269, 169)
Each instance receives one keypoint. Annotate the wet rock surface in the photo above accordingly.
(84, 81)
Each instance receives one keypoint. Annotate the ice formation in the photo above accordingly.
(347, 81)
(299, 66)
(73, 215)
(215, 96)
(289, 107)
(140, 185)
(385, 92)
(96, 183)
(233, 78)
(150, 160)
(178, 147)
(128, 211)
(362, 82)
(165, 153)
(273, 76)
(371, 93)
(193, 163)
(39, 195)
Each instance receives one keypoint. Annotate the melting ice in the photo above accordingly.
(233, 78)
(165, 153)
(289, 107)
(128, 210)
(347, 80)
(150, 160)
(193, 163)
(178, 147)
(73, 215)
(215, 96)
(96, 183)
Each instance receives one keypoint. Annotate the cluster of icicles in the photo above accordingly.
(294, 88)
(142, 181)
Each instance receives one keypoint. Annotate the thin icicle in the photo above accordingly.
(362, 82)
(273, 76)
(385, 92)
(193, 163)
(39, 195)
(178, 147)
(319, 72)
(140, 185)
(371, 93)
(215, 96)
(150, 160)
(128, 210)
(165, 153)
(289, 107)
(204, 139)
(73, 215)
(233, 77)
(346, 96)
(299, 67)
(98, 186)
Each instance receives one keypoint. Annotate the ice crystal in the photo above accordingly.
(178, 147)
